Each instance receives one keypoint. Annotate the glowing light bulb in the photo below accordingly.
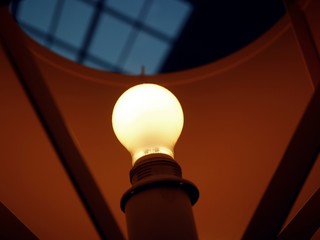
(147, 119)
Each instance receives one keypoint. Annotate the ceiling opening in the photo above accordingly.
(162, 36)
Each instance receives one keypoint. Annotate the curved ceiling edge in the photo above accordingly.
(166, 79)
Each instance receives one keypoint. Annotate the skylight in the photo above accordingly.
(114, 35)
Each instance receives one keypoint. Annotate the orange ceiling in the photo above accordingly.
(240, 113)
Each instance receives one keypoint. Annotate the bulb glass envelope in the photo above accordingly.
(147, 119)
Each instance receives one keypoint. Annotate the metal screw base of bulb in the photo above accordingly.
(156, 170)
(154, 166)
(159, 203)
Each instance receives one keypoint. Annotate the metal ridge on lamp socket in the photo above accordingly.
(158, 170)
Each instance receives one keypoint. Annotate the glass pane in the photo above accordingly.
(37, 13)
(147, 51)
(110, 37)
(74, 22)
(63, 51)
(131, 8)
(168, 16)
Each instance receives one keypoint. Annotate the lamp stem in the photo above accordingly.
(159, 204)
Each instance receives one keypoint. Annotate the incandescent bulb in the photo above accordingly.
(147, 119)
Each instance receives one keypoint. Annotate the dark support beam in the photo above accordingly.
(52, 121)
(289, 177)
(305, 39)
(298, 158)
(11, 227)
(306, 222)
